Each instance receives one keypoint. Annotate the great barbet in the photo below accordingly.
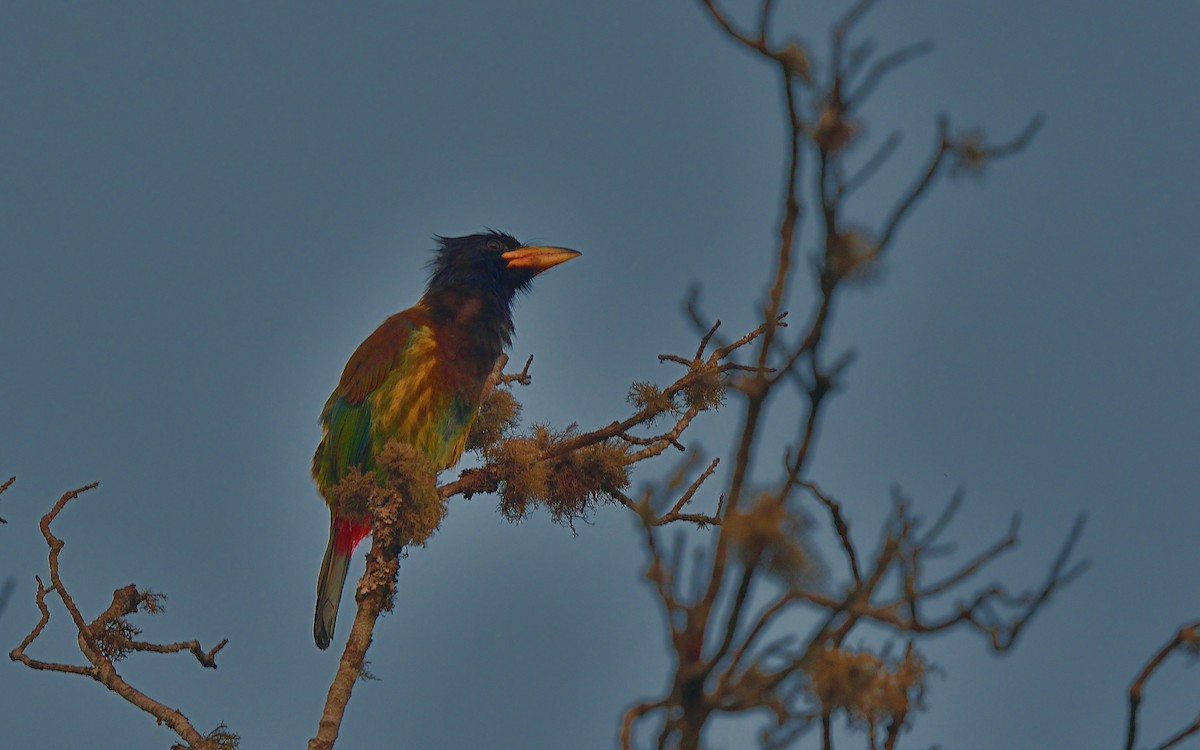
(419, 379)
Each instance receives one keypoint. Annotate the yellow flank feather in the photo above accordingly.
(412, 405)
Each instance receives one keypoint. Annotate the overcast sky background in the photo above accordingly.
(205, 207)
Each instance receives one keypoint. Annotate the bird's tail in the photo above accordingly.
(344, 536)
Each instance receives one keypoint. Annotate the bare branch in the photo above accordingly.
(758, 45)
(5, 486)
(972, 154)
(631, 716)
(1021, 141)
(701, 520)
(106, 639)
(840, 526)
(1181, 735)
(764, 21)
(885, 65)
(1187, 636)
(686, 497)
(704, 341)
(374, 590)
(499, 377)
(902, 209)
(522, 377)
(977, 614)
(871, 166)
(18, 654)
(844, 26)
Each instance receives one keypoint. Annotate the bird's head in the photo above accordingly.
(491, 265)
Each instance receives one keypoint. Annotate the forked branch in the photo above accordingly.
(1187, 638)
(110, 637)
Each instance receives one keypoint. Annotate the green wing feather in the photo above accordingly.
(347, 417)
(347, 441)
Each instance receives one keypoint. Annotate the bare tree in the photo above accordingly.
(732, 586)
(733, 653)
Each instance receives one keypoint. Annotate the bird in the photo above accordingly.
(419, 379)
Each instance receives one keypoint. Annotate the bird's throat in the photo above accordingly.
(472, 331)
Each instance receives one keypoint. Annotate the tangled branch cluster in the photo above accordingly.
(732, 658)
(733, 630)
(110, 637)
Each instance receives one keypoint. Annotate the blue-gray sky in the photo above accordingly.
(204, 208)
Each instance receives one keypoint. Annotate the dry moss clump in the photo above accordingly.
(771, 535)
(707, 389)
(870, 690)
(497, 418)
(406, 500)
(221, 738)
(114, 635)
(568, 486)
(399, 495)
(351, 496)
(649, 396)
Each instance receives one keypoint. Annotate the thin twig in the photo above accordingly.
(1187, 635)
(870, 167)
(902, 209)
(840, 526)
(4, 487)
(885, 65)
(758, 45)
(764, 21)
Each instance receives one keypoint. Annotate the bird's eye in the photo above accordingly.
(495, 246)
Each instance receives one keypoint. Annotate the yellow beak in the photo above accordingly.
(538, 258)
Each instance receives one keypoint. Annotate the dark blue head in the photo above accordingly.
(491, 266)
